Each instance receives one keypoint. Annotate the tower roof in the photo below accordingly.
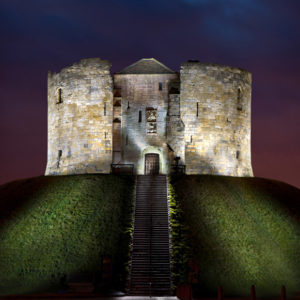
(147, 66)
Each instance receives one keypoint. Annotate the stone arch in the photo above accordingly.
(162, 159)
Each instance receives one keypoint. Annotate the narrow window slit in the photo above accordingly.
(104, 108)
(160, 86)
(197, 109)
(59, 157)
(140, 116)
(59, 96)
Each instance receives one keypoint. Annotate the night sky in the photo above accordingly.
(260, 36)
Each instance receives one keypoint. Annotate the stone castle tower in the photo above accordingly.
(149, 118)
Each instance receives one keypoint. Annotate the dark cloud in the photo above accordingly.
(261, 36)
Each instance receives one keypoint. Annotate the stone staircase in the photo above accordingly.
(150, 261)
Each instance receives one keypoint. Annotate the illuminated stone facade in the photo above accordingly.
(80, 119)
(199, 118)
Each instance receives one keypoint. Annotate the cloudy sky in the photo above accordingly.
(259, 35)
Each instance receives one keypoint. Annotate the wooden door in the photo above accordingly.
(151, 164)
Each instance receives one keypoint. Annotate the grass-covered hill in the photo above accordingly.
(52, 228)
(238, 232)
(234, 232)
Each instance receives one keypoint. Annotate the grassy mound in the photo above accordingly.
(238, 232)
(53, 227)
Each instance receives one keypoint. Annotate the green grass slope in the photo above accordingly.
(238, 232)
(51, 227)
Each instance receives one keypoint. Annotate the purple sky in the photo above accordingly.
(260, 36)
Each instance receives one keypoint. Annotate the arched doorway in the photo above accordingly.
(151, 164)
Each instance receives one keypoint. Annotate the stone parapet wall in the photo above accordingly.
(215, 107)
(80, 118)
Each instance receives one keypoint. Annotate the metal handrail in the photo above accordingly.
(179, 169)
(123, 169)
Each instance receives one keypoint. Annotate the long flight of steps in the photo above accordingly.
(150, 261)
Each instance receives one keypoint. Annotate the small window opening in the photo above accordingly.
(104, 108)
(151, 119)
(191, 138)
(105, 135)
(140, 116)
(237, 155)
(59, 157)
(197, 109)
(117, 92)
(59, 96)
(160, 86)
(117, 103)
(128, 105)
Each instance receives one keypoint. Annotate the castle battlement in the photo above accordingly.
(150, 117)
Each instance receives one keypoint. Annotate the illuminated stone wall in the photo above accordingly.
(80, 118)
(215, 103)
(175, 130)
(141, 97)
(203, 117)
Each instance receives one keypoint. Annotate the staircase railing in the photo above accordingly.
(122, 169)
(178, 169)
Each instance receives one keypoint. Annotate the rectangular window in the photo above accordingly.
(151, 118)
(197, 109)
(104, 108)
(140, 116)
(160, 86)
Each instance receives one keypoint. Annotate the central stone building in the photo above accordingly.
(149, 118)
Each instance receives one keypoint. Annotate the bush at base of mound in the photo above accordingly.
(57, 226)
(235, 232)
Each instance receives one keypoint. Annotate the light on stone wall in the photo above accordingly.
(143, 148)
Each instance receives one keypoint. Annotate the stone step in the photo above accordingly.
(150, 258)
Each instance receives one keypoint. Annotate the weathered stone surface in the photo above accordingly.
(215, 107)
(175, 130)
(203, 117)
(140, 93)
(80, 127)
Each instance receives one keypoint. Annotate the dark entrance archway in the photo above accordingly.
(151, 164)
